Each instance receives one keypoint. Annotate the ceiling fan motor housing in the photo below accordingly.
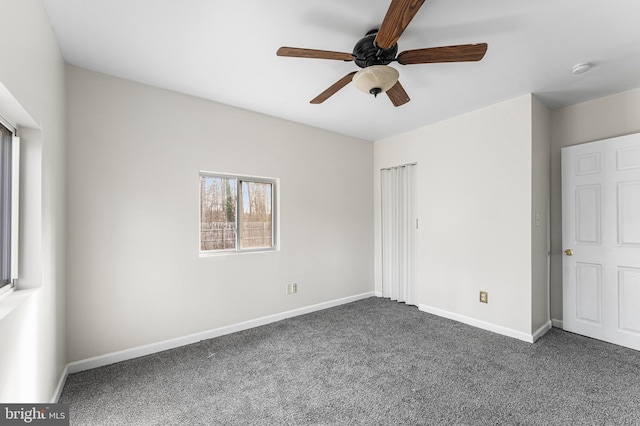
(366, 53)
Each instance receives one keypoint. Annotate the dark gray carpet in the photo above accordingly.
(372, 362)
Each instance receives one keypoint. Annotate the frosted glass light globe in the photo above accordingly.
(376, 79)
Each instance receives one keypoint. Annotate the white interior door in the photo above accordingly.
(601, 240)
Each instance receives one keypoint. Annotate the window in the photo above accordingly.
(9, 150)
(237, 213)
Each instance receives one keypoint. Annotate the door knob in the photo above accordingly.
(568, 252)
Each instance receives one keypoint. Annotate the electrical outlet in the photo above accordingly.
(484, 297)
(292, 288)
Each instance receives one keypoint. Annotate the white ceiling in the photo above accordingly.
(225, 51)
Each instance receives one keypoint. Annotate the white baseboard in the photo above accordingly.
(111, 358)
(542, 331)
(378, 294)
(530, 338)
(58, 391)
(558, 323)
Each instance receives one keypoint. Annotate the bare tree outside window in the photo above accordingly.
(236, 213)
(217, 213)
(256, 215)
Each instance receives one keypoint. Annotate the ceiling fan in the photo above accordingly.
(378, 48)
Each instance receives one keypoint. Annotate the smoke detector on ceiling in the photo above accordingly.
(581, 68)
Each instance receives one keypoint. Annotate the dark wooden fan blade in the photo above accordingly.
(397, 19)
(430, 55)
(397, 95)
(333, 89)
(312, 53)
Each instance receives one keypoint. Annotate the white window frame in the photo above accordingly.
(15, 207)
(239, 208)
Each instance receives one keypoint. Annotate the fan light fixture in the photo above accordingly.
(378, 48)
(376, 79)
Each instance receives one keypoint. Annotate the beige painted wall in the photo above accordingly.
(603, 118)
(135, 276)
(474, 206)
(33, 356)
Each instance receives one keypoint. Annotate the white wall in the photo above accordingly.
(135, 276)
(540, 213)
(603, 118)
(474, 205)
(32, 354)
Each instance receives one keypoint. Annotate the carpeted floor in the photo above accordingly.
(371, 362)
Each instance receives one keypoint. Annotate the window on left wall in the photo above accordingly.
(9, 173)
(237, 213)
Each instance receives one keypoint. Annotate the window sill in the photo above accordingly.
(13, 299)
(235, 252)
